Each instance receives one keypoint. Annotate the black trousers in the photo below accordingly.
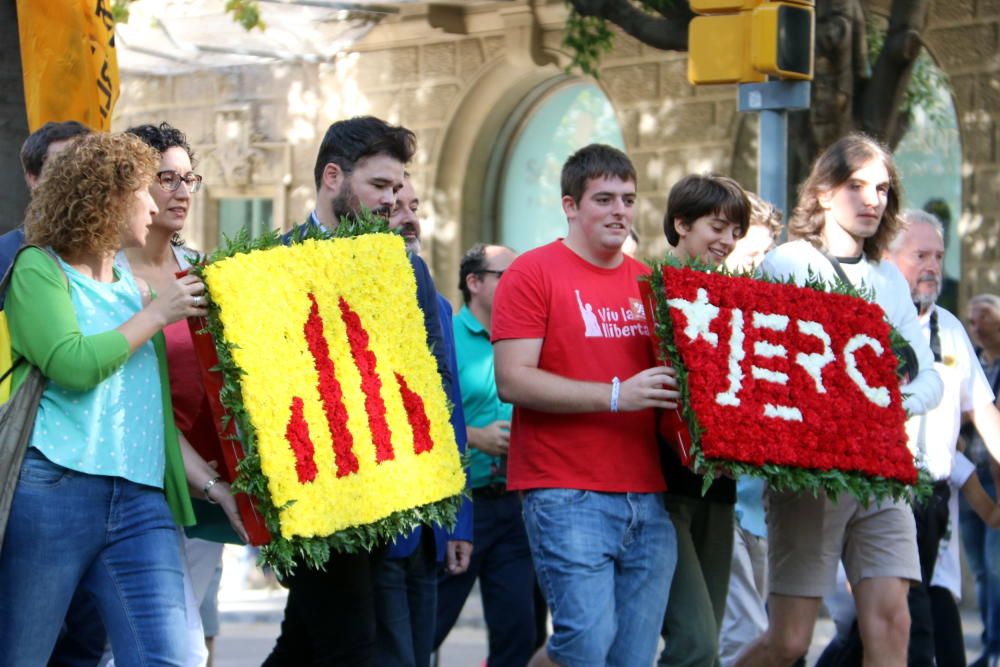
(330, 614)
(931, 517)
(949, 641)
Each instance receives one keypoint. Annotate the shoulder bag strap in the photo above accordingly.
(5, 283)
(911, 365)
(837, 267)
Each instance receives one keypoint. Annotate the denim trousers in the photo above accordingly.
(82, 639)
(501, 560)
(982, 552)
(405, 605)
(604, 563)
(110, 538)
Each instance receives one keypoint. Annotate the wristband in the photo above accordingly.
(208, 485)
(616, 387)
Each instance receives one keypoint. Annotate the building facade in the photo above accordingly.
(484, 87)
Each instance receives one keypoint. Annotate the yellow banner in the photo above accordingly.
(68, 60)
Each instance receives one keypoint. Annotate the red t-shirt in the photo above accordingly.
(593, 329)
(192, 412)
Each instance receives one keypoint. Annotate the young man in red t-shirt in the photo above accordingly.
(572, 355)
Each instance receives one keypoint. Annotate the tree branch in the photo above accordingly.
(667, 34)
(884, 92)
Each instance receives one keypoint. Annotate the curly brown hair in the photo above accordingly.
(765, 214)
(82, 201)
(831, 170)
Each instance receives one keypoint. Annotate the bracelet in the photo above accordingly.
(616, 387)
(208, 485)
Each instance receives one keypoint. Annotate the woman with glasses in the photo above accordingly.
(155, 264)
(101, 486)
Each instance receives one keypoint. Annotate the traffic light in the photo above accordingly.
(744, 41)
(782, 39)
(719, 49)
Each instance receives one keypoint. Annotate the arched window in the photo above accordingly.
(552, 122)
(929, 159)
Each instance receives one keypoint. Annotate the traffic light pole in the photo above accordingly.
(773, 100)
(772, 158)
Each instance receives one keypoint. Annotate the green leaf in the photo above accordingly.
(246, 13)
(587, 38)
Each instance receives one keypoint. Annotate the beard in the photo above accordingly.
(411, 237)
(347, 205)
(925, 299)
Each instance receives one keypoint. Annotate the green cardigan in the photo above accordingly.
(38, 294)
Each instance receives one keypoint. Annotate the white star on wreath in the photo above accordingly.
(699, 315)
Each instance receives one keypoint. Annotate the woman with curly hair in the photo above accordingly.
(102, 484)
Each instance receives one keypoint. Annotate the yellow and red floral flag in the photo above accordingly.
(345, 409)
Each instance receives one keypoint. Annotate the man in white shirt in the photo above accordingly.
(936, 629)
(847, 213)
(918, 251)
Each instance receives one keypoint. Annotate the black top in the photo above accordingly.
(682, 482)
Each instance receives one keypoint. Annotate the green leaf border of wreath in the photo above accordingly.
(779, 478)
(282, 554)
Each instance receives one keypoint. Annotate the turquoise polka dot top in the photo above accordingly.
(116, 428)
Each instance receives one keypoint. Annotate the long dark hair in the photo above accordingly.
(831, 170)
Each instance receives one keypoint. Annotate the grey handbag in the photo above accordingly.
(17, 419)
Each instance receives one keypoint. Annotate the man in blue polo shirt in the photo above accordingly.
(501, 559)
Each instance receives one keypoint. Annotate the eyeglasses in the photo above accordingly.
(493, 271)
(170, 180)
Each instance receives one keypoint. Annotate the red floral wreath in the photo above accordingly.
(794, 384)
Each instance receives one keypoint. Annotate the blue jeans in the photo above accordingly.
(82, 639)
(111, 538)
(405, 604)
(982, 552)
(604, 562)
(501, 559)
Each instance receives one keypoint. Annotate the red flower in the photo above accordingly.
(297, 435)
(371, 384)
(417, 416)
(330, 394)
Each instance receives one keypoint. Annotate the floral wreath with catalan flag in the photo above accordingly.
(797, 385)
(335, 397)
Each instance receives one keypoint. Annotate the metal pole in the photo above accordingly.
(772, 159)
(772, 100)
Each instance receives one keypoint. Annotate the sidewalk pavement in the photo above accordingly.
(251, 617)
(250, 622)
